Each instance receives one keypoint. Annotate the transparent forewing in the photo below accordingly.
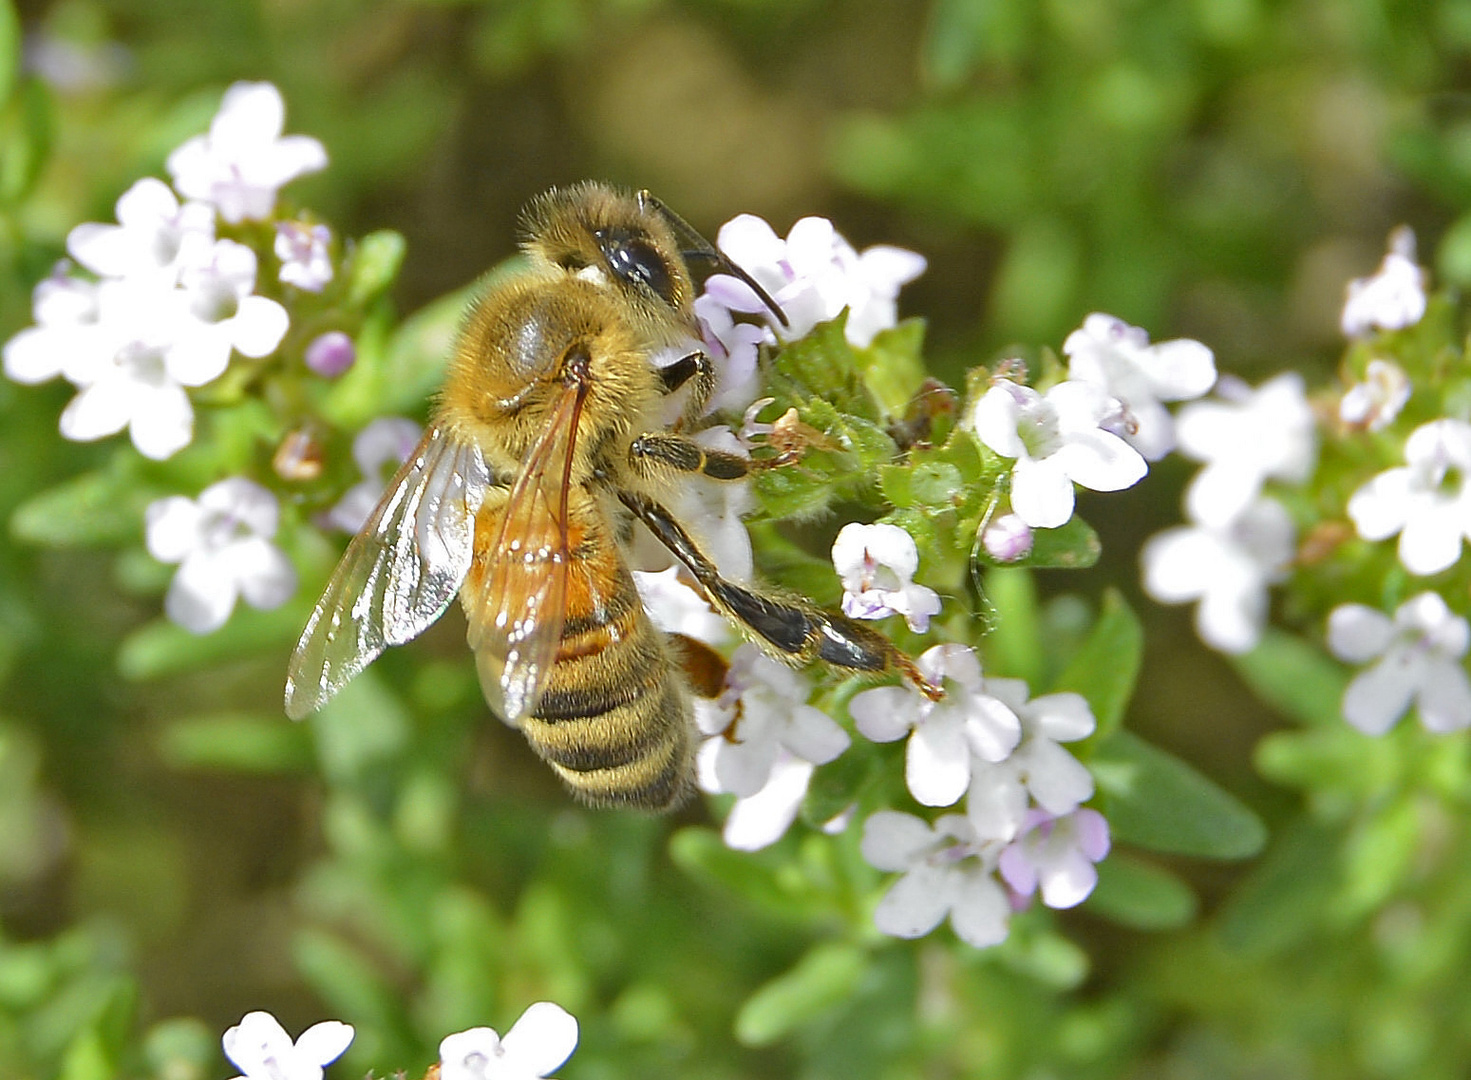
(516, 628)
(399, 573)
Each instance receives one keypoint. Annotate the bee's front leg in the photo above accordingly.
(800, 632)
(696, 370)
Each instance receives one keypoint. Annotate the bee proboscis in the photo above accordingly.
(545, 445)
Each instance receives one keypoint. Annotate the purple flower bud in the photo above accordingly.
(331, 354)
(1007, 539)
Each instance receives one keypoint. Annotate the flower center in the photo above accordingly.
(214, 301)
(1039, 430)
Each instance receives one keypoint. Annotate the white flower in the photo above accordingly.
(1226, 568)
(1427, 500)
(1394, 297)
(1374, 403)
(243, 161)
(947, 871)
(876, 564)
(734, 345)
(155, 236)
(762, 711)
(712, 511)
(969, 722)
(1246, 438)
(260, 1048)
(222, 542)
(69, 335)
(302, 250)
(676, 608)
(1118, 359)
(1419, 659)
(379, 449)
(997, 800)
(761, 819)
(1057, 853)
(223, 314)
(537, 1044)
(1058, 439)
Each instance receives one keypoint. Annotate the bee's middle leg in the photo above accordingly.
(651, 453)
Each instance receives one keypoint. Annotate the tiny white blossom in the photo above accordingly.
(734, 346)
(1227, 569)
(1057, 439)
(302, 249)
(243, 161)
(1245, 438)
(1419, 659)
(876, 564)
(944, 736)
(762, 711)
(222, 542)
(154, 237)
(379, 449)
(996, 802)
(69, 335)
(1374, 403)
(538, 1044)
(223, 314)
(1118, 358)
(260, 1048)
(1058, 854)
(676, 608)
(1427, 501)
(947, 870)
(761, 819)
(1393, 297)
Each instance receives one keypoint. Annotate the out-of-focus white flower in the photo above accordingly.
(1007, 538)
(1058, 439)
(1118, 358)
(876, 564)
(243, 161)
(260, 1048)
(1419, 660)
(996, 802)
(1058, 854)
(302, 249)
(762, 711)
(379, 449)
(223, 314)
(1393, 297)
(947, 870)
(969, 722)
(69, 335)
(537, 1044)
(331, 354)
(1226, 569)
(1246, 438)
(222, 542)
(155, 237)
(676, 608)
(1374, 403)
(1427, 500)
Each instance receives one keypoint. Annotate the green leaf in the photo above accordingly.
(703, 855)
(373, 266)
(27, 128)
(241, 742)
(160, 648)
(1295, 677)
(1015, 644)
(1071, 546)
(826, 977)
(841, 783)
(1136, 893)
(364, 723)
(1155, 800)
(9, 49)
(822, 366)
(97, 509)
(1284, 897)
(892, 365)
(1105, 668)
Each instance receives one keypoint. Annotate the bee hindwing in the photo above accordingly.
(399, 573)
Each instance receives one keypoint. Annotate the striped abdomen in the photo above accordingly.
(615, 720)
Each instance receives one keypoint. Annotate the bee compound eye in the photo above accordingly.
(632, 258)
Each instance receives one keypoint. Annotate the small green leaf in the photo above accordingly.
(1105, 668)
(892, 365)
(703, 855)
(1136, 893)
(826, 977)
(96, 509)
(1294, 677)
(237, 741)
(364, 723)
(373, 266)
(27, 128)
(9, 49)
(1155, 800)
(1014, 645)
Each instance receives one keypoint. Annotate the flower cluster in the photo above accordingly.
(985, 741)
(537, 1045)
(165, 300)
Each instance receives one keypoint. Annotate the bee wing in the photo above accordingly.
(399, 573)
(516, 627)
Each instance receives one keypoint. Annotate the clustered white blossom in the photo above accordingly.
(1393, 297)
(1426, 501)
(537, 1045)
(168, 301)
(986, 741)
(876, 564)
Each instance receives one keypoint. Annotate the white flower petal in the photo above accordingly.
(814, 736)
(202, 594)
(266, 577)
(542, 1040)
(894, 841)
(1376, 698)
(937, 762)
(324, 1043)
(980, 911)
(760, 820)
(885, 713)
(1041, 493)
(916, 903)
(1357, 633)
(1444, 699)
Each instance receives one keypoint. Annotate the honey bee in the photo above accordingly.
(545, 446)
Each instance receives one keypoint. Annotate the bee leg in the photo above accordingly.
(649, 452)
(798, 631)
(694, 368)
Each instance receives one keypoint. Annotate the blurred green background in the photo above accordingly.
(173, 853)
